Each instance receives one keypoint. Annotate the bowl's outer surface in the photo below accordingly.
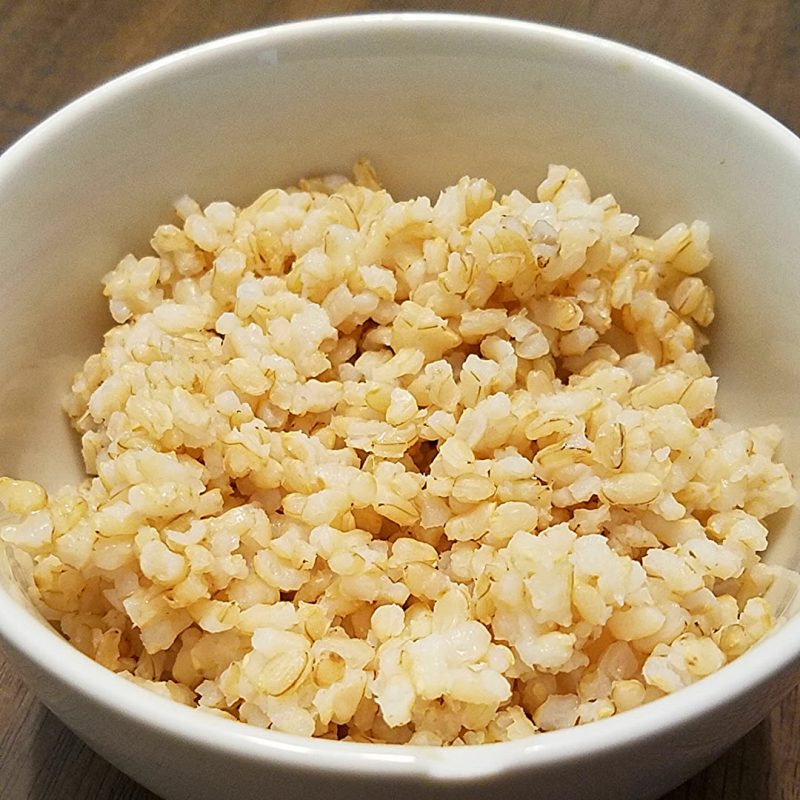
(428, 98)
(180, 757)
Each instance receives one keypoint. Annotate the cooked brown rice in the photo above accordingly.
(399, 472)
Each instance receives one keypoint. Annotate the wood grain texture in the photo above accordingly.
(53, 50)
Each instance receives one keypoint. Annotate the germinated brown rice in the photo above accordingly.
(398, 472)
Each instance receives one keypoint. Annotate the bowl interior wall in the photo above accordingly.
(82, 192)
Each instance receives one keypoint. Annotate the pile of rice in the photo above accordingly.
(407, 472)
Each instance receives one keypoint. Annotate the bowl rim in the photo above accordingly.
(45, 648)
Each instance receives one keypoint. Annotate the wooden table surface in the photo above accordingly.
(53, 50)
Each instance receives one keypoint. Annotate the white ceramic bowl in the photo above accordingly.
(429, 98)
